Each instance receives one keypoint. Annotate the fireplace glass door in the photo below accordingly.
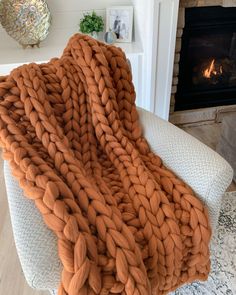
(207, 75)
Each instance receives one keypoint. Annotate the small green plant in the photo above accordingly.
(91, 23)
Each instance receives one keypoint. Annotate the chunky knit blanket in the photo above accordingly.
(125, 223)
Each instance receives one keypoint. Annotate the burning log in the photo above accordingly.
(214, 72)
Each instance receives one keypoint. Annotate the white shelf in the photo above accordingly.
(19, 55)
(130, 48)
(13, 57)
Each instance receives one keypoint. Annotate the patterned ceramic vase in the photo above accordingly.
(26, 21)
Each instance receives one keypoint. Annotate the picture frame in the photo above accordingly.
(119, 19)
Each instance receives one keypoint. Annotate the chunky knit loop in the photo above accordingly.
(125, 223)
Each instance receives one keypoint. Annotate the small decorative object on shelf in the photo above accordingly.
(91, 24)
(110, 37)
(120, 21)
(26, 21)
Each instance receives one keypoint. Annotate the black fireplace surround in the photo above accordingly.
(207, 73)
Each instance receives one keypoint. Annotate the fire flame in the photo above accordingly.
(212, 71)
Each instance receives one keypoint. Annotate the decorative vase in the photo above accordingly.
(94, 35)
(110, 37)
(26, 21)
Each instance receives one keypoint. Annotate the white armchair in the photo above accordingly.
(203, 169)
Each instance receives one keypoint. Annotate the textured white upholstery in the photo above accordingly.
(36, 245)
(203, 169)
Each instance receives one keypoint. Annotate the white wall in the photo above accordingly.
(67, 14)
(139, 37)
(71, 5)
(140, 20)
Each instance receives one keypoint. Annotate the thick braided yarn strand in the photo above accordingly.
(125, 223)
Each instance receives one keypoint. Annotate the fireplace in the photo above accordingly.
(207, 67)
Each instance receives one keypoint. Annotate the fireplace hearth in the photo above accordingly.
(207, 66)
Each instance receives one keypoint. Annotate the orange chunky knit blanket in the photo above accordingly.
(125, 223)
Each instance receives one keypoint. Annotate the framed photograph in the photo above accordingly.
(120, 21)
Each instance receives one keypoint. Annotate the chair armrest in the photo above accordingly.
(204, 170)
(36, 245)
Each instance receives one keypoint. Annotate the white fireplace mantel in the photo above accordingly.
(162, 61)
(157, 23)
